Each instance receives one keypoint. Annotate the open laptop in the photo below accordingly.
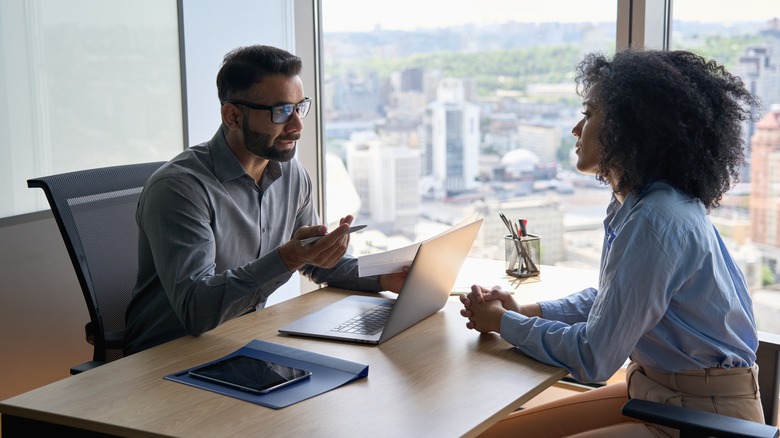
(425, 291)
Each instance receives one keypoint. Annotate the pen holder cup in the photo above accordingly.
(522, 255)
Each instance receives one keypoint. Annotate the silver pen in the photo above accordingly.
(311, 240)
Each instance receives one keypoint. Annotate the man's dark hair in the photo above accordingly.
(668, 115)
(245, 66)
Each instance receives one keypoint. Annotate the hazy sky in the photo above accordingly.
(362, 15)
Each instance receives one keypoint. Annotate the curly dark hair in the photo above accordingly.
(668, 115)
(244, 66)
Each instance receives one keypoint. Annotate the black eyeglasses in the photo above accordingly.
(281, 113)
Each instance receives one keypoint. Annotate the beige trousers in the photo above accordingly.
(733, 392)
(596, 413)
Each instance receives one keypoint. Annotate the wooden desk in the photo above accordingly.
(436, 379)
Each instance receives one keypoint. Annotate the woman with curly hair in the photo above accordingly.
(664, 130)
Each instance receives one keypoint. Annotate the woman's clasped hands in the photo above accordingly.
(485, 307)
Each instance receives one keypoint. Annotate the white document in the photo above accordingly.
(395, 259)
(387, 262)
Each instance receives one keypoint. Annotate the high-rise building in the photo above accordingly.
(544, 141)
(451, 141)
(357, 95)
(759, 68)
(405, 105)
(412, 79)
(765, 193)
(386, 176)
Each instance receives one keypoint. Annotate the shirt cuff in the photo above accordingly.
(270, 270)
(510, 325)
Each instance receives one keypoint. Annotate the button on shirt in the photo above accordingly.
(208, 239)
(670, 296)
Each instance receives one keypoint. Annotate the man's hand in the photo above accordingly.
(325, 253)
(393, 282)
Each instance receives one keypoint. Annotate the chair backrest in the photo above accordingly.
(95, 212)
(768, 360)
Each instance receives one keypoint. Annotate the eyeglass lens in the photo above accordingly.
(283, 113)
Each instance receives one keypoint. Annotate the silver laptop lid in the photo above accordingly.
(431, 278)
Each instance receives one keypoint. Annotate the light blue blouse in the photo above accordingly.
(670, 297)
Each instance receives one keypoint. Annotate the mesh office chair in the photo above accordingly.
(95, 212)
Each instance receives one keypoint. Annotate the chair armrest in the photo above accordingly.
(695, 421)
(86, 366)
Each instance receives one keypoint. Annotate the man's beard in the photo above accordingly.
(261, 145)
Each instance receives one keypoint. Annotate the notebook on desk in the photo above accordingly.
(373, 320)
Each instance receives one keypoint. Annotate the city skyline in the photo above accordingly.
(339, 15)
(535, 118)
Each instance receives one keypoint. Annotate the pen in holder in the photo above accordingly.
(522, 255)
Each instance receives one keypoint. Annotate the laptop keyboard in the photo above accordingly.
(367, 323)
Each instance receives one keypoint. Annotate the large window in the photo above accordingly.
(469, 108)
(84, 83)
(745, 37)
(437, 110)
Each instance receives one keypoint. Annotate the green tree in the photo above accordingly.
(767, 276)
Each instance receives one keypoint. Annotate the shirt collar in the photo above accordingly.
(617, 213)
(227, 167)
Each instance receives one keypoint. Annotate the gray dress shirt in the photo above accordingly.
(208, 243)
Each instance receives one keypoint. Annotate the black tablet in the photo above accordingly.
(250, 374)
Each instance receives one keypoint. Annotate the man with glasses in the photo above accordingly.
(221, 224)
